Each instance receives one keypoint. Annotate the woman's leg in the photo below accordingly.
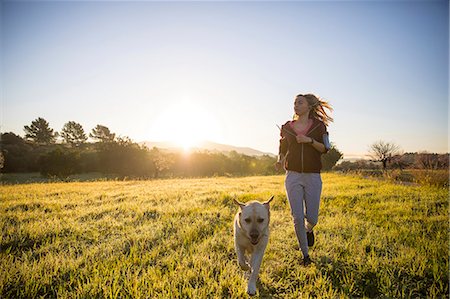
(295, 194)
(313, 189)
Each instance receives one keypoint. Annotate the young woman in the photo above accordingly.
(303, 141)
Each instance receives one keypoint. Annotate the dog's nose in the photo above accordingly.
(254, 234)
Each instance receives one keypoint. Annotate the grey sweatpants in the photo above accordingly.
(303, 192)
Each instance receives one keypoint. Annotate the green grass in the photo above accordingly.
(173, 239)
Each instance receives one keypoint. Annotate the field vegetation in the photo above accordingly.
(172, 238)
(424, 177)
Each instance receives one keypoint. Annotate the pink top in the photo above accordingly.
(301, 132)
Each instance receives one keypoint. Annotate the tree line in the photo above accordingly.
(387, 155)
(425, 161)
(39, 151)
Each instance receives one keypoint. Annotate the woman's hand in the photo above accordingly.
(278, 165)
(280, 162)
(303, 139)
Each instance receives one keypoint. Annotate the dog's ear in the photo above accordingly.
(241, 205)
(266, 203)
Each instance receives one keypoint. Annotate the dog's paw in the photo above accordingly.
(244, 266)
(251, 289)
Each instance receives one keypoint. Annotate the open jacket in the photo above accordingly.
(302, 157)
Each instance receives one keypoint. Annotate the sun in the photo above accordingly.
(186, 124)
(189, 135)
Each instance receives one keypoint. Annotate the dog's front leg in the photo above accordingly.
(242, 260)
(256, 261)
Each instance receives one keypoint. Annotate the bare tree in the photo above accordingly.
(430, 161)
(383, 152)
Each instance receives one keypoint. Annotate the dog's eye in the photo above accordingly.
(260, 220)
(247, 220)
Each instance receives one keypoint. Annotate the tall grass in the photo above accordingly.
(173, 239)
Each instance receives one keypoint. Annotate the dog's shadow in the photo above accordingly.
(264, 291)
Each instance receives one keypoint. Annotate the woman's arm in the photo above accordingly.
(282, 150)
(320, 147)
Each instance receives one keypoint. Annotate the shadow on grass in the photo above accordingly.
(348, 279)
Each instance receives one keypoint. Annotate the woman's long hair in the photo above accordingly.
(318, 106)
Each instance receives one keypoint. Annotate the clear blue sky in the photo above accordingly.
(229, 71)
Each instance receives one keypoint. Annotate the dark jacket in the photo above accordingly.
(302, 157)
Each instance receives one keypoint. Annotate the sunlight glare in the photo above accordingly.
(186, 124)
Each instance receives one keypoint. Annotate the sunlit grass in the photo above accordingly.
(173, 238)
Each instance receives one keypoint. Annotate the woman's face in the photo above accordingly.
(301, 106)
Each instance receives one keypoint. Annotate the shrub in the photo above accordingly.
(431, 177)
(60, 163)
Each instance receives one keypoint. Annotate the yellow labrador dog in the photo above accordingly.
(251, 234)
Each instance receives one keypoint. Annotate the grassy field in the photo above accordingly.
(173, 239)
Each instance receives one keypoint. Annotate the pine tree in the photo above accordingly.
(102, 133)
(40, 132)
(73, 134)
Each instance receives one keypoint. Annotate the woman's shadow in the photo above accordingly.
(364, 283)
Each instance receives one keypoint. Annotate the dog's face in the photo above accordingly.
(254, 219)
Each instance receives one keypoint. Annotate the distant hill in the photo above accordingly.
(209, 146)
(354, 157)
